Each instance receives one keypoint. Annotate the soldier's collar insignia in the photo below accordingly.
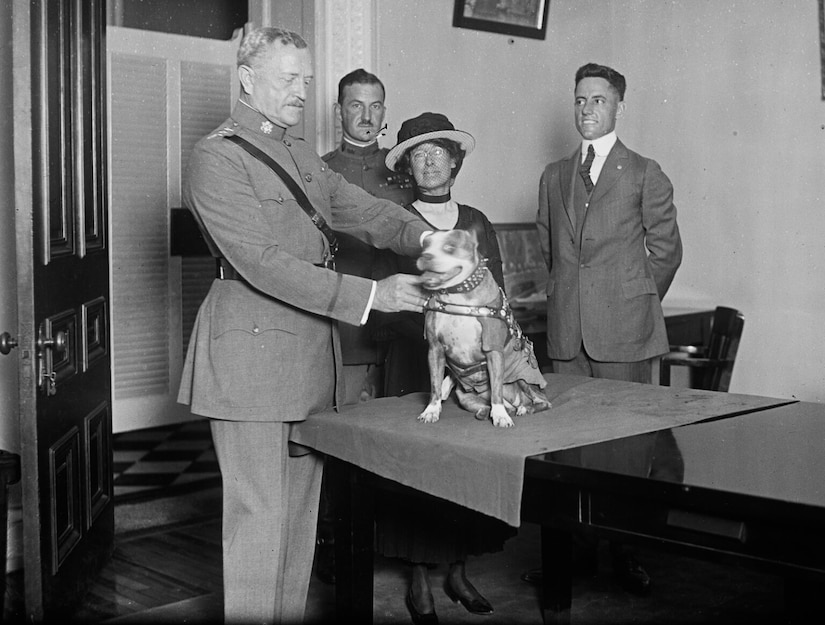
(266, 127)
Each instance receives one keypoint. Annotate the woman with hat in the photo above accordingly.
(432, 151)
(427, 532)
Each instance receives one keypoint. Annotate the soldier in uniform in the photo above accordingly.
(360, 160)
(264, 351)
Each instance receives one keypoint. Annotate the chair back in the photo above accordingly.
(723, 343)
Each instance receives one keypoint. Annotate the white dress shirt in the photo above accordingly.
(601, 147)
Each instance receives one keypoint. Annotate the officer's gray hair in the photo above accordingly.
(257, 43)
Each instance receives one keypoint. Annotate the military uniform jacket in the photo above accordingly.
(264, 348)
(608, 273)
(364, 166)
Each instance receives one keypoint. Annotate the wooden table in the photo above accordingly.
(704, 498)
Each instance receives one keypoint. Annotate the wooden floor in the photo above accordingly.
(166, 568)
(151, 569)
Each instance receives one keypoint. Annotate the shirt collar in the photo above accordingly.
(348, 147)
(602, 145)
(257, 122)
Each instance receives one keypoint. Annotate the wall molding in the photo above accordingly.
(346, 39)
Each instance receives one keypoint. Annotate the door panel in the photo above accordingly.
(63, 283)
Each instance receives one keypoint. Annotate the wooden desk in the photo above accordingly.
(380, 445)
(728, 489)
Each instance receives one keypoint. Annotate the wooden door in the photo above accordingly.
(63, 290)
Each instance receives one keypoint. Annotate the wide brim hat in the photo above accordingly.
(426, 127)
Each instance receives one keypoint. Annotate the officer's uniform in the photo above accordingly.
(363, 166)
(264, 351)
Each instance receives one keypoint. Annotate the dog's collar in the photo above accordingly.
(469, 283)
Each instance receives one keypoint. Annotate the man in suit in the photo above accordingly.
(607, 226)
(264, 352)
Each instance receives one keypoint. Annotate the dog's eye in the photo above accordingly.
(449, 248)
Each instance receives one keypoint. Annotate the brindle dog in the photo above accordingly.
(471, 330)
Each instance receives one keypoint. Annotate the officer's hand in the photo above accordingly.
(399, 292)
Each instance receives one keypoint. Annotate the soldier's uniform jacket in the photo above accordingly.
(264, 348)
(364, 166)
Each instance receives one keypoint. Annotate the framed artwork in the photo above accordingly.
(522, 18)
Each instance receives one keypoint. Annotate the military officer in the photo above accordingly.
(360, 109)
(264, 351)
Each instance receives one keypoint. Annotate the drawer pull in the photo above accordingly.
(707, 524)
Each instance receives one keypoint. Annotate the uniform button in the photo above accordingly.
(366, 167)
(280, 199)
(256, 330)
(287, 143)
(323, 168)
(308, 177)
(582, 265)
(587, 204)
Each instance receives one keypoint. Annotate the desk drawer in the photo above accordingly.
(786, 543)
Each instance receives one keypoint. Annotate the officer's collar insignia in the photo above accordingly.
(266, 127)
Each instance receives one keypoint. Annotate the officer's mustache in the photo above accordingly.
(381, 131)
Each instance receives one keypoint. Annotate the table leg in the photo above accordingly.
(557, 575)
(354, 543)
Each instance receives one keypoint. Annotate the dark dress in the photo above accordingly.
(405, 365)
(416, 527)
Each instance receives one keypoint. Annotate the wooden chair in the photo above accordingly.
(712, 364)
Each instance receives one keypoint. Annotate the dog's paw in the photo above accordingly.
(431, 413)
(520, 410)
(498, 413)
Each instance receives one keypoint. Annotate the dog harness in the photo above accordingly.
(503, 312)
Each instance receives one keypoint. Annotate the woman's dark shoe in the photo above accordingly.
(420, 618)
(476, 605)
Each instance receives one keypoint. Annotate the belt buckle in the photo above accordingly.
(329, 263)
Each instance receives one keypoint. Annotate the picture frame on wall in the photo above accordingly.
(521, 18)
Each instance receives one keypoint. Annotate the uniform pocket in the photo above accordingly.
(639, 286)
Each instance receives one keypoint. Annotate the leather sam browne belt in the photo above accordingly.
(225, 271)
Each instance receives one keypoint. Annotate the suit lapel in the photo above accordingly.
(567, 180)
(614, 168)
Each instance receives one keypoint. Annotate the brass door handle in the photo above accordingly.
(46, 377)
(7, 343)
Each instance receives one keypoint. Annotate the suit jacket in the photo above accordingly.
(364, 166)
(607, 278)
(266, 348)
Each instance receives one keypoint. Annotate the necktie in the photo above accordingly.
(584, 170)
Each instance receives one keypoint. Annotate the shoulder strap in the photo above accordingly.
(294, 188)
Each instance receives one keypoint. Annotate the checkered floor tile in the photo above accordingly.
(157, 462)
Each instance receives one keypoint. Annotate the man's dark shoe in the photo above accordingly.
(631, 575)
(532, 576)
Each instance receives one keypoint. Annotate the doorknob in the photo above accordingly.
(7, 343)
(46, 376)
